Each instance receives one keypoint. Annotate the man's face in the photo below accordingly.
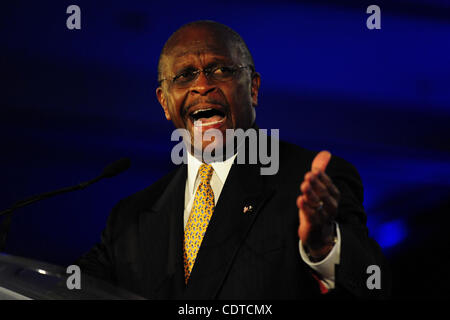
(206, 103)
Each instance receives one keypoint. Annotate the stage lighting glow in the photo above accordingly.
(391, 233)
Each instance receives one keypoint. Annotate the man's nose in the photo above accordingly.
(203, 85)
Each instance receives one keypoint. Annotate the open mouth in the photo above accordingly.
(207, 117)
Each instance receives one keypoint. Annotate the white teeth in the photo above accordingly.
(199, 123)
(197, 111)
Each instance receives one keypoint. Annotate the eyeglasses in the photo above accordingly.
(218, 74)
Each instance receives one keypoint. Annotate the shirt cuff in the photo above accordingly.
(326, 267)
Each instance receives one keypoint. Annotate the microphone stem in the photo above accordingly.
(110, 171)
(42, 196)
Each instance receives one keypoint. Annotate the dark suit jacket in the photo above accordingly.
(253, 255)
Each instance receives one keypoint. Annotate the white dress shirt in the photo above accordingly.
(325, 268)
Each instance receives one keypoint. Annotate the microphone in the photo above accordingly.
(109, 171)
(113, 169)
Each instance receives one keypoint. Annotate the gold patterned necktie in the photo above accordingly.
(201, 212)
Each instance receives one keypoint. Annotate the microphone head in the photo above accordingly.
(115, 168)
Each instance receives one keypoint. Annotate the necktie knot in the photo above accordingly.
(205, 172)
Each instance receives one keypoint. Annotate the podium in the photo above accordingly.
(27, 279)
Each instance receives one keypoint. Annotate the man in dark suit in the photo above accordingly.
(299, 233)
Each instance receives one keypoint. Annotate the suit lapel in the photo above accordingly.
(228, 228)
(161, 237)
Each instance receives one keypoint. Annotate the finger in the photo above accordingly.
(326, 180)
(299, 199)
(310, 218)
(310, 195)
(318, 187)
(306, 211)
(330, 203)
(318, 192)
(321, 160)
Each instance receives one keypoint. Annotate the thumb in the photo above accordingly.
(321, 160)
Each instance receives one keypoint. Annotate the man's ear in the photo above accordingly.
(256, 81)
(163, 102)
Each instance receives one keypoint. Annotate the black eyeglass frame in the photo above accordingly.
(208, 71)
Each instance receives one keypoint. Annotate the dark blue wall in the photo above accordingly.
(74, 100)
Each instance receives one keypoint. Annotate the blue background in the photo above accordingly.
(72, 101)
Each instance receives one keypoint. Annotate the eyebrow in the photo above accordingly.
(216, 51)
(215, 61)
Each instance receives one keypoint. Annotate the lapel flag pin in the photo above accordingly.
(248, 209)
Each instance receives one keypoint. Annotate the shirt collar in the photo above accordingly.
(221, 169)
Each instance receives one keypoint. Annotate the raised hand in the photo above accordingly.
(318, 208)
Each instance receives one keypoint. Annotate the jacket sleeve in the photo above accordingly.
(98, 262)
(358, 250)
